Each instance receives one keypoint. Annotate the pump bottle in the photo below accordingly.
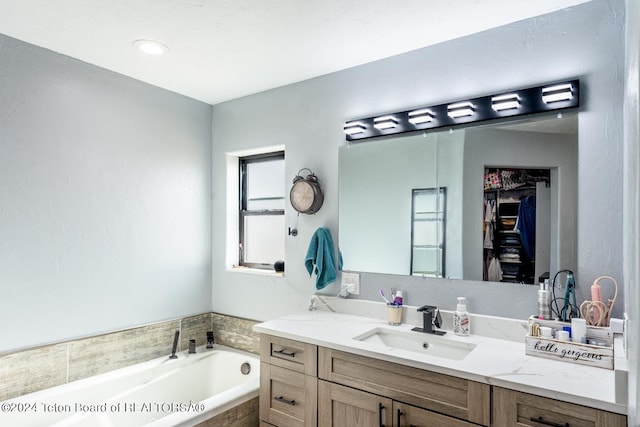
(461, 318)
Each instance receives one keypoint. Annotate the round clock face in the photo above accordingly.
(305, 197)
(302, 196)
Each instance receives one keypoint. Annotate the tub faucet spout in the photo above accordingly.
(175, 346)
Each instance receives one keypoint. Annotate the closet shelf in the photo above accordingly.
(505, 239)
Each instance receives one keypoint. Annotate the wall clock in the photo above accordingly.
(306, 195)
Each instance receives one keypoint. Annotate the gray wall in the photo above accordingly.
(584, 42)
(104, 200)
(631, 239)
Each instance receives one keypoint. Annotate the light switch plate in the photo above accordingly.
(351, 279)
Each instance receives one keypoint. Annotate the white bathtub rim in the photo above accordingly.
(214, 405)
(221, 402)
(226, 399)
(59, 394)
(72, 419)
(184, 358)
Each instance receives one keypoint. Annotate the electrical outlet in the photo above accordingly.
(350, 283)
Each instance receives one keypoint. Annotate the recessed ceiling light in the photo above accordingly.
(150, 47)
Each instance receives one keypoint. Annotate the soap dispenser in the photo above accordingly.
(461, 318)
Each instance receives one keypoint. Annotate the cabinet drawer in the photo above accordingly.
(340, 406)
(444, 394)
(290, 354)
(515, 408)
(287, 398)
(407, 415)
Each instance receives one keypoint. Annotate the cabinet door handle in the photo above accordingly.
(380, 413)
(287, 401)
(399, 421)
(541, 420)
(285, 353)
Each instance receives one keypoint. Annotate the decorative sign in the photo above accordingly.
(584, 354)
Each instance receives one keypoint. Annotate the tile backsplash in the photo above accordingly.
(31, 370)
(37, 368)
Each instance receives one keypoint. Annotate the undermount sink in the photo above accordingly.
(419, 342)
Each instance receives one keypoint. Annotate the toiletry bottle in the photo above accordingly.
(461, 318)
(544, 298)
(397, 298)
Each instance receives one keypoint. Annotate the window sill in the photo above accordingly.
(256, 271)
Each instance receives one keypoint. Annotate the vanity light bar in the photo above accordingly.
(509, 101)
(423, 115)
(556, 93)
(460, 109)
(532, 100)
(385, 122)
(354, 128)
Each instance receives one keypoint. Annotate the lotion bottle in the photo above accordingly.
(461, 318)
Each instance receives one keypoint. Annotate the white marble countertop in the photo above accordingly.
(494, 361)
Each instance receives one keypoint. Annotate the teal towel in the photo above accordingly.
(320, 258)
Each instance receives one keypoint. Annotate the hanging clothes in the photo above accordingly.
(489, 209)
(494, 272)
(526, 225)
(489, 223)
(488, 236)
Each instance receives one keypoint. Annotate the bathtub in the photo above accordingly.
(160, 393)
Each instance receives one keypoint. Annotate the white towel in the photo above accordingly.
(488, 236)
(494, 273)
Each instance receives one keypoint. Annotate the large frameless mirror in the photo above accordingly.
(384, 229)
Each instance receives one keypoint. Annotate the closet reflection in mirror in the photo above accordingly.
(517, 221)
(378, 178)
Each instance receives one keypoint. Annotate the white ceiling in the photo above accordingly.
(225, 49)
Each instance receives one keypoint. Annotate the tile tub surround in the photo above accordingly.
(244, 415)
(236, 332)
(46, 366)
(32, 370)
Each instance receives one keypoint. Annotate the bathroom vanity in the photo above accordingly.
(322, 369)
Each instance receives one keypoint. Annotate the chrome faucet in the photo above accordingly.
(430, 319)
(317, 299)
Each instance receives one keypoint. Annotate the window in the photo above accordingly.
(261, 210)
